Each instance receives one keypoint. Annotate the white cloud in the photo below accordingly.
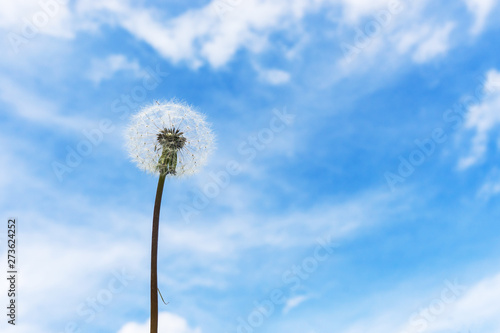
(434, 44)
(491, 185)
(33, 107)
(450, 307)
(103, 69)
(408, 30)
(481, 10)
(355, 9)
(65, 258)
(167, 322)
(481, 119)
(64, 267)
(337, 220)
(203, 35)
(215, 32)
(477, 308)
(38, 17)
(71, 260)
(274, 76)
(293, 302)
(411, 37)
(12, 12)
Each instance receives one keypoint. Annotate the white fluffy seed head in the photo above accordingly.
(142, 137)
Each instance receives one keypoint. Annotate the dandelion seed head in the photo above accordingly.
(169, 138)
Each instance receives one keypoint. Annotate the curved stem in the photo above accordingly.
(154, 256)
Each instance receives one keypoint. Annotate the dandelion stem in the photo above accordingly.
(154, 255)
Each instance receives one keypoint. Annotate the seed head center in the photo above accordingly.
(171, 139)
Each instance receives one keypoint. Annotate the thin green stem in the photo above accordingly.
(154, 255)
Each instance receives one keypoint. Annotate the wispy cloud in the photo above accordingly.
(435, 44)
(32, 107)
(167, 322)
(448, 307)
(202, 35)
(274, 76)
(27, 19)
(481, 119)
(491, 185)
(481, 10)
(293, 303)
(476, 308)
(104, 69)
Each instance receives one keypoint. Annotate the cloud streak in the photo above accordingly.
(482, 119)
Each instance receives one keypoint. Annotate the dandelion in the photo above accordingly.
(168, 139)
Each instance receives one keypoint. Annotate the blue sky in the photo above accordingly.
(366, 135)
